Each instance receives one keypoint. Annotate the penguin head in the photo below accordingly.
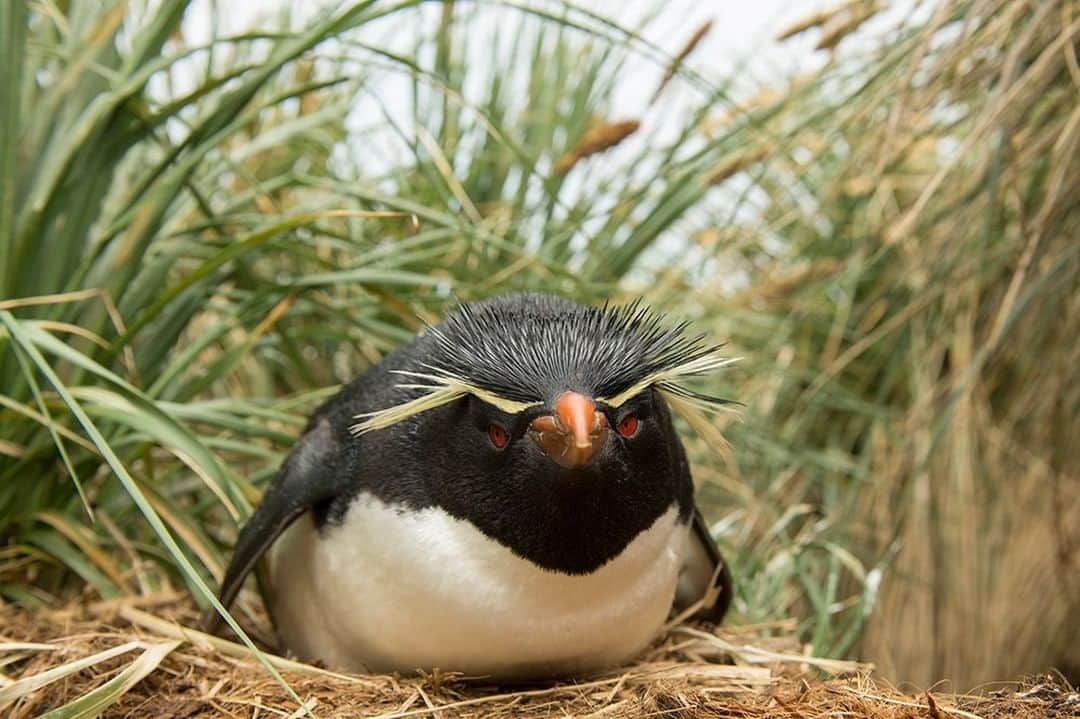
(546, 423)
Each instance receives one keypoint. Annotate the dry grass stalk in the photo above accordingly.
(676, 63)
(1023, 92)
(762, 98)
(602, 136)
(737, 162)
(814, 20)
(843, 24)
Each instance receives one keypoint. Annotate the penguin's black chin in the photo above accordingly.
(577, 476)
(579, 484)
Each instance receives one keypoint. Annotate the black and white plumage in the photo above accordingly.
(505, 495)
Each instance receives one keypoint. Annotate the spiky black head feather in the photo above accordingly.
(532, 348)
(516, 351)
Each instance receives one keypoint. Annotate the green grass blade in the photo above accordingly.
(139, 412)
(61, 448)
(140, 500)
(31, 684)
(70, 556)
(12, 51)
(94, 702)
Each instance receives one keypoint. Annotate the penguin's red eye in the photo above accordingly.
(628, 425)
(498, 436)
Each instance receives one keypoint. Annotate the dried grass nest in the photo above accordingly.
(140, 657)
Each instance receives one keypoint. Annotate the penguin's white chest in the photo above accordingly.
(393, 590)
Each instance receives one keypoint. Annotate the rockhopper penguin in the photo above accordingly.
(504, 496)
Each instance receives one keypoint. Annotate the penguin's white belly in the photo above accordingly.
(391, 590)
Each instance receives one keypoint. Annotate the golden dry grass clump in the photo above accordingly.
(601, 136)
(144, 661)
(920, 317)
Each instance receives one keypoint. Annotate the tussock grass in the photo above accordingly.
(912, 289)
(197, 243)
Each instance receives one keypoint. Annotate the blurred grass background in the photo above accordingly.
(199, 241)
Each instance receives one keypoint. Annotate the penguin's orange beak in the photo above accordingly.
(574, 433)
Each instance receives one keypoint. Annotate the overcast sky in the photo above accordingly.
(741, 45)
(740, 31)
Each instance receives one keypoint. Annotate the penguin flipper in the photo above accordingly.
(306, 478)
(704, 570)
